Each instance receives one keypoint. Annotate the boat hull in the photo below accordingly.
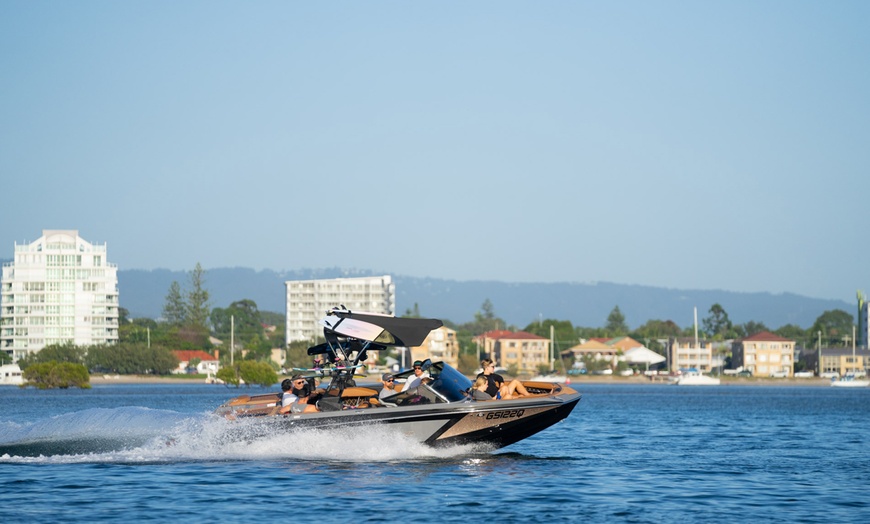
(851, 383)
(496, 423)
(698, 380)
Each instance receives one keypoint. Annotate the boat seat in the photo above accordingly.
(354, 397)
(358, 391)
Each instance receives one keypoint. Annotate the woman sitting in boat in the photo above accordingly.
(478, 390)
(496, 387)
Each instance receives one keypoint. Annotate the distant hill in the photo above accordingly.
(143, 294)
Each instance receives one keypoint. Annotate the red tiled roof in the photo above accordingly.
(766, 336)
(188, 355)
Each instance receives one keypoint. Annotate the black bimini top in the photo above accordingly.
(380, 329)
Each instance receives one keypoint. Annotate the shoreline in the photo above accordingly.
(574, 382)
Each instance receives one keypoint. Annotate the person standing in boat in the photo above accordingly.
(496, 386)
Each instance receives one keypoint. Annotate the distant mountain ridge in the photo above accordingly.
(143, 293)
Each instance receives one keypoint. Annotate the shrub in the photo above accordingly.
(53, 374)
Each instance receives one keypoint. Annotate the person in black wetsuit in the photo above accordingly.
(496, 386)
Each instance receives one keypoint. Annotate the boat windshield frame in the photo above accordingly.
(449, 382)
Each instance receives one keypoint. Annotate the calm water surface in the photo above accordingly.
(628, 453)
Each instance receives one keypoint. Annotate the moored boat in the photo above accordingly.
(849, 380)
(439, 411)
(695, 378)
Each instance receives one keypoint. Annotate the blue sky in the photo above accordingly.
(692, 145)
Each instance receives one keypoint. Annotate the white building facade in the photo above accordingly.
(58, 289)
(308, 301)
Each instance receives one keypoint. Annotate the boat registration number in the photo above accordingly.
(512, 413)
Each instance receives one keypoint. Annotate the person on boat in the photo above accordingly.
(301, 389)
(417, 378)
(389, 389)
(287, 398)
(478, 390)
(496, 386)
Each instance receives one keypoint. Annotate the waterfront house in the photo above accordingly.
(516, 348)
(440, 344)
(764, 355)
(207, 365)
(838, 361)
(594, 349)
(10, 375)
(685, 353)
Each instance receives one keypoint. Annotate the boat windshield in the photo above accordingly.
(448, 382)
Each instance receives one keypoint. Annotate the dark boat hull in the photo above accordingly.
(495, 423)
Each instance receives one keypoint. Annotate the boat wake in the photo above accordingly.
(142, 435)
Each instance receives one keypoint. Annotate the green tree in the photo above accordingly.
(142, 330)
(796, 333)
(229, 375)
(752, 327)
(66, 352)
(836, 327)
(53, 374)
(564, 335)
(131, 359)
(297, 355)
(717, 323)
(198, 306)
(616, 325)
(412, 313)
(175, 309)
(243, 318)
(655, 330)
(563, 331)
(484, 320)
(257, 373)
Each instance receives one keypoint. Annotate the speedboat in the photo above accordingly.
(438, 412)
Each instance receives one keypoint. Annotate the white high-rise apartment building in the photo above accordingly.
(58, 289)
(308, 301)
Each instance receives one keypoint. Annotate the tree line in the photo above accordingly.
(189, 322)
(832, 328)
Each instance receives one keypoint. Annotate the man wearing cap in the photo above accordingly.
(389, 386)
(301, 389)
(417, 378)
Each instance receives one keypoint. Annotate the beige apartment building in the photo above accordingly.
(841, 361)
(764, 355)
(440, 345)
(685, 353)
(524, 350)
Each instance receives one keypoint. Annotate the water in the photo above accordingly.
(628, 453)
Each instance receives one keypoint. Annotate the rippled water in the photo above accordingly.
(628, 453)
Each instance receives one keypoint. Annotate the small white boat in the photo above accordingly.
(557, 379)
(850, 381)
(694, 378)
